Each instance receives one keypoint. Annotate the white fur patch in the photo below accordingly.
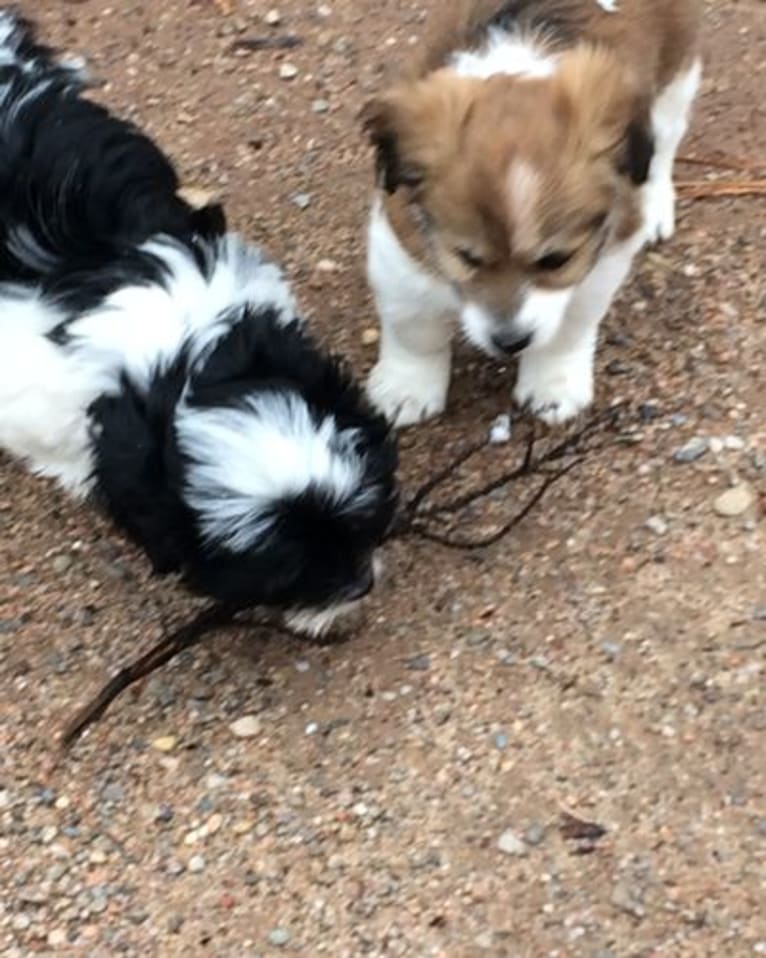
(44, 393)
(505, 53)
(416, 309)
(45, 389)
(609, 5)
(139, 328)
(670, 119)
(246, 459)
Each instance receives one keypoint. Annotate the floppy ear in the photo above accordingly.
(381, 119)
(416, 127)
(607, 110)
(638, 151)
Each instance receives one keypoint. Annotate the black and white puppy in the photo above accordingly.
(159, 363)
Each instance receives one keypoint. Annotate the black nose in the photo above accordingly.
(362, 586)
(510, 342)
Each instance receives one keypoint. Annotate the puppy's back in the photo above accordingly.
(653, 37)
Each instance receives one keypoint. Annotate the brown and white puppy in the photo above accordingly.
(523, 161)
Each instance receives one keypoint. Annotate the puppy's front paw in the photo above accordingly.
(410, 392)
(554, 389)
(660, 211)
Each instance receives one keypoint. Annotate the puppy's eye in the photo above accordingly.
(553, 261)
(470, 258)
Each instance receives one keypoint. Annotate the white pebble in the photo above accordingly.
(510, 844)
(196, 863)
(288, 71)
(500, 430)
(657, 525)
(273, 18)
(246, 727)
(734, 501)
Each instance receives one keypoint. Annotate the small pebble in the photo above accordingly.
(628, 899)
(327, 266)
(733, 443)
(611, 649)
(418, 663)
(301, 200)
(273, 18)
(164, 814)
(500, 740)
(657, 525)
(113, 793)
(693, 450)
(500, 430)
(165, 743)
(278, 937)
(320, 106)
(535, 834)
(288, 71)
(370, 336)
(246, 727)
(196, 864)
(509, 843)
(648, 411)
(312, 728)
(715, 445)
(734, 501)
(61, 563)
(57, 937)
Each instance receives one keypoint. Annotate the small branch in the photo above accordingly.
(471, 545)
(724, 163)
(709, 189)
(417, 517)
(188, 635)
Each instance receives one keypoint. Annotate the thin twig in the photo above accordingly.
(418, 517)
(708, 189)
(211, 617)
(724, 163)
(471, 545)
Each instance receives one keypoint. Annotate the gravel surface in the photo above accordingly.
(402, 794)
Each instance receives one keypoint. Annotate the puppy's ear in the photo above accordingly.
(416, 127)
(607, 113)
(382, 119)
(638, 151)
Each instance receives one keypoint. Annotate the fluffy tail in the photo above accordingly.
(20, 49)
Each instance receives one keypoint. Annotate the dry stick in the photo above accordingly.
(188, 635)
(470, 545)
(724, 163)
(704, 189)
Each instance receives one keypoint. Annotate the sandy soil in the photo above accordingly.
(402, 794)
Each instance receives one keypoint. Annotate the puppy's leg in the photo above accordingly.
(410, 380)
(670, 119)
(556, 380)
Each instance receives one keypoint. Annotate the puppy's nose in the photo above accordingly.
(509, 342)
(362, 586)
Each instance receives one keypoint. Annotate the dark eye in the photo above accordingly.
(470, 259)
(553, 261)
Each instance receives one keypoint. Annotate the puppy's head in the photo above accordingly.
(517, 184)
(289, 476)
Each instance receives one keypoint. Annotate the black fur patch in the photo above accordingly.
(639, 152)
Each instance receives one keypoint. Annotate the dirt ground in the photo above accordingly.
(401, 794)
